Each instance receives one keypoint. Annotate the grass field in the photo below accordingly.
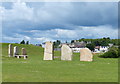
(34, 69)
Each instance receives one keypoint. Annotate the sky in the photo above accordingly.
(39, 22)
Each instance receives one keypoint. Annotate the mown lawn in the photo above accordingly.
(34, 69)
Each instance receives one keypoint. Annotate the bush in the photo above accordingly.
(112, 53)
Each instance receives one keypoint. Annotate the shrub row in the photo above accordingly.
(112, 53)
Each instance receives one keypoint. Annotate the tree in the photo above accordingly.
(56, 43)
(90, 46)
(22, 42)
(96, 43)
(40, 45)
(72, 41)
(108, 38)
(104, 43)
(27, 43)
(82, 38)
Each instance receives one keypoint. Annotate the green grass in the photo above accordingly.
(34, 69)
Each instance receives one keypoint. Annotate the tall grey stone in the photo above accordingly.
(86, 55)
(10, 50)
(66, 52)
(48, 51)
(16, 51)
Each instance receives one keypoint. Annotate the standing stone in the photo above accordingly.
(24, 53)
(66, 52)
(86, 55)
(16, 51)
(10, 51)
(48, 51)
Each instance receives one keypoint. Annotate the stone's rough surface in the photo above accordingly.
(24, 51)
(16, 51)
(86, 55)
(48, 51)
(66, 52)
(10, 51)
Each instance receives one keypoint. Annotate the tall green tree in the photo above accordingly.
(72, 41)
(56, 43)
(27, 43)
(22, 42)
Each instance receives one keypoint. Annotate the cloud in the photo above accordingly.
(17, 38)
(53, 13)
(80, 32)
(18, 12)
(63, 33)
(43, 39)
(40, 36)
(39, 22)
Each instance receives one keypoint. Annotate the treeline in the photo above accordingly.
(100, 42)
(105, 41)
(90, 42)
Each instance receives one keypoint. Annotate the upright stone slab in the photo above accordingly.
(10, 51)
(66, 52)
(24, 53)
(48, 51)
(86, 55)
(16, 51)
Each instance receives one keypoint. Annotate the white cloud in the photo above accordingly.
(77, 33)
(19, 11)
(16, 38)
(100, 31)
(26, 38)
(10, 38)
(64, 33)
(32, 31)
(22, 37)
(40, 36)
(60, 13)
(43, 39)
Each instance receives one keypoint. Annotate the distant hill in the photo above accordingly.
(32, 50)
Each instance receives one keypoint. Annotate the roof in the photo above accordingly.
(97, 47)
(79, 44)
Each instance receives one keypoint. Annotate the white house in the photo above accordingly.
(76, 46)
(76, 50)
(99, 49)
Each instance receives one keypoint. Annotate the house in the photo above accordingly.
(76, 46)
(110, 44)
(99, 49)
